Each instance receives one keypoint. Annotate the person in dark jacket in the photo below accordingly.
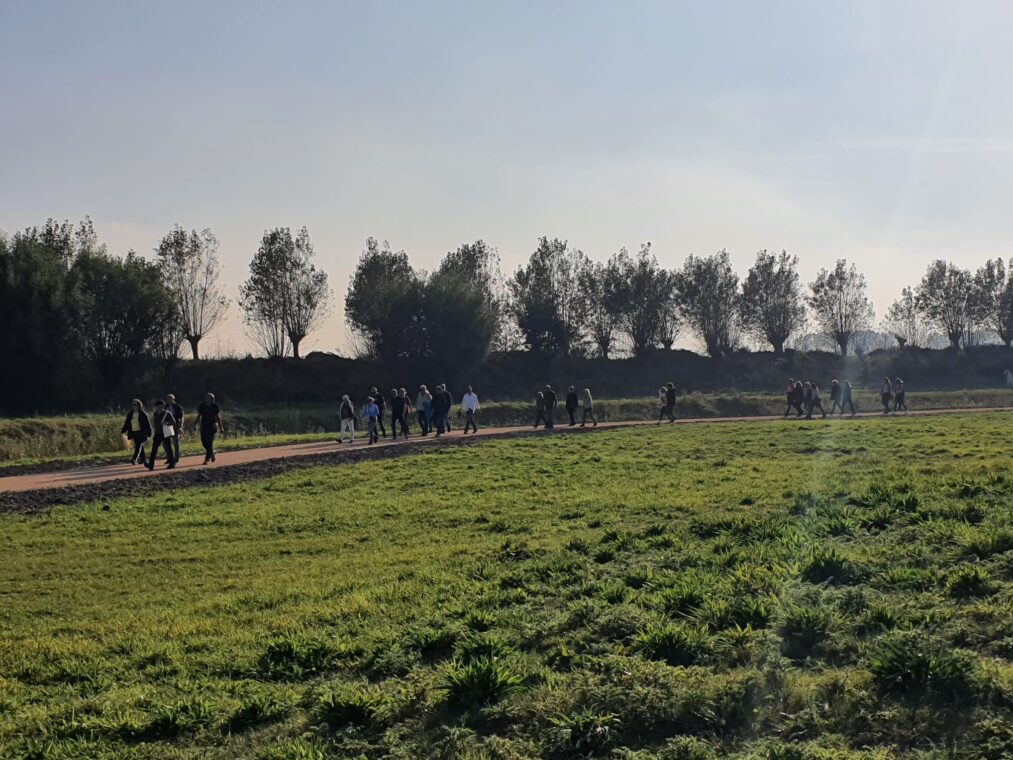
(550, 406)
(789, 395)
(382, 406)
(440, 408)
(670, 396)
(540, 409)
(835, 397)
(571, 405)
(397, 414)
(163, 426)
(137, 427)
(813, 401)
(209, 421)
(798, 398)
(177, 415)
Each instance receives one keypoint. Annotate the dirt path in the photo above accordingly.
(36, 491)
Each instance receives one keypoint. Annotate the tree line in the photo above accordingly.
(67, 304)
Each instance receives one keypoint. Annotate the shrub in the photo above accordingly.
(300, 656)
(805, 629)
(585, 732)
(912, 666)
(674, 644)
(348, 704)
(969, 581)
(479, 682)
(827, 565)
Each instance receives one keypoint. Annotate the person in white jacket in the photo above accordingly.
(469, 405)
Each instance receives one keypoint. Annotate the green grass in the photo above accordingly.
(777, 590)
(60, 442)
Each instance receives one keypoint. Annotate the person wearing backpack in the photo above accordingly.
(346, 413)
(164, 426)
(137, 429)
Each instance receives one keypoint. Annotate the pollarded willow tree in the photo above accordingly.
(190, 269)
(646, 300)
(286, 296)
(839, 303)
(994, 287)
(773, 307)
(599, 286)
(545, 296)
(707, 292)
(947, 299)
(905, 322)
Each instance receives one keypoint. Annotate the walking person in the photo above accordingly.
(814, 401)
(900, 403)
(540, 410)
(835, 397)
(798, 398)
(550, 407)
(847, 398)
(397, 409)
(163, 426)
(406, 418)
(469, 405)
(382, 406)
(789, 395)
(571, 405)
(440, 409)
(137, 428)
(424, 409)
(670, 401)
(372, 414)
(346, 413)
(662, 404)
(588, 410)
(209, 420)
(177, 415)
(886, 395)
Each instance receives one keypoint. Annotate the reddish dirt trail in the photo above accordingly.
(333, 451)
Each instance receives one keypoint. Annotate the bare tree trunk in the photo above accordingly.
(193, 340)
(295, 345)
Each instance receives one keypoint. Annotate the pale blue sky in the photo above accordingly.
(878, 131)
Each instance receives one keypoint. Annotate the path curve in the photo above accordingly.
(45, 481)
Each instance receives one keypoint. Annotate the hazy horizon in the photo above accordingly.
(877, 134)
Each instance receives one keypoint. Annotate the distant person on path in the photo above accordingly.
(440, 409)
(899, 404)
(835, 397)
(163, 425)
(382, 406)
(397, 412)
(469, 405)
(424, 409)
(372, 414)
(450, 405)
(814, 401)
(406, 419)
(137, 428)
(209, 420)
(789, 396)
(177, 415)
(662, 405)
(799, 398)
(670, 401)
(540, 409)
(571, 405)
(847, 398)
(588, 411)
(550, 407)
(886, 395)
(346, 413)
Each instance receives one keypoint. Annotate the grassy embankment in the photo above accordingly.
(770, 591)
(95, 439)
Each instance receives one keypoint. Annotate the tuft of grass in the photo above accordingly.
(910, 665)
(675, 644)
(479, 682)
(806, 630)
(969, 581)
(350, 704)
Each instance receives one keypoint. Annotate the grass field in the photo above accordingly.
(95, 439)
(772, 590)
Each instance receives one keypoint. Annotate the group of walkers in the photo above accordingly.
(805, 398)
(431, 411)
(164, 427)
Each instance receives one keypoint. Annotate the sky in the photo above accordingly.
(877, 132)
